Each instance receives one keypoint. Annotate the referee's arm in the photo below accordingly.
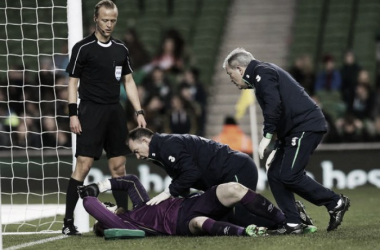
(75, 126)
(130, 88)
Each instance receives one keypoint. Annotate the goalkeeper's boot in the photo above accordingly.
(286, 229)
(69, 228)
(336, 215)
(305, 219)
(255, 231)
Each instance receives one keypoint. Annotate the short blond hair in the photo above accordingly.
(108, 4)
(238, 57)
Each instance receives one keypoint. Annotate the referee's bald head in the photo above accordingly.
(108, 4)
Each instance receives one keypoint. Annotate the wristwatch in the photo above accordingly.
(140, 112)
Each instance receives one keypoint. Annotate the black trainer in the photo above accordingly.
(69, 228)
(336, 215)
(285, 229)
(306, 219)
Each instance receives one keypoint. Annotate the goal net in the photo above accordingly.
(35, 139)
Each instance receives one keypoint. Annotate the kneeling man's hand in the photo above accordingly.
(159, 198)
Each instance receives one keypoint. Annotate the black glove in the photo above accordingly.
(89, 190)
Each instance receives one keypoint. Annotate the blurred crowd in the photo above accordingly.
(33, 105)
(170, 91)
(349, 98)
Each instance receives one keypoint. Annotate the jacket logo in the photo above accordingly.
(258, 78)
(247, 76)
(118, 72)
(171, 158)
(294, 141)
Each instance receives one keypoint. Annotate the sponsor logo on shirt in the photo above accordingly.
(118, 72)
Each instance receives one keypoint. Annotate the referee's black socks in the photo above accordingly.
(72, 197)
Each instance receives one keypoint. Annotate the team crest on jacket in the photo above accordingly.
(118, 72)
(258, 78)
(171, 158)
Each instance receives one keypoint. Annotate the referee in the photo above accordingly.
(100, 62)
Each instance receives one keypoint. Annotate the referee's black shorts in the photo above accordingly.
(104, 126)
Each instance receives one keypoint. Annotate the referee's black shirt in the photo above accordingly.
(100, 67)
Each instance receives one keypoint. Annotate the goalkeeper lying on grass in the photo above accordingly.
(197, 215)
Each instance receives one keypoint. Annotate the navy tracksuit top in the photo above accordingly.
(285, 104)
(194, 162)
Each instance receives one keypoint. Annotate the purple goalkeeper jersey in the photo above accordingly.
(161, 218)
(158, 219)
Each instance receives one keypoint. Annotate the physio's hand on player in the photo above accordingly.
(263, 145)
(270, 159)
(141, 121)
(159, 198)
(75, 126)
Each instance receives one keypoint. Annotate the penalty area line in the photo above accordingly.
(36, 242)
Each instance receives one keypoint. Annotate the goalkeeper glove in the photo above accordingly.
(89, 190)
(264, 144)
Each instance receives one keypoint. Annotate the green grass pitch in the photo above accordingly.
(359, 230)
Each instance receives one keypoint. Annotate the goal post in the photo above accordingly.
(74, 17)
(36, 156)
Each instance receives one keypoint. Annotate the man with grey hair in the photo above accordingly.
(299, 124)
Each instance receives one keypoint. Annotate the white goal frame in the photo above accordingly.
(74, 18)
(75, 34)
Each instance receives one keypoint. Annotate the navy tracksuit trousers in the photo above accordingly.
(287, 175)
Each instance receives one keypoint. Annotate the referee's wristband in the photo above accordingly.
(140, 112)
(73, 110)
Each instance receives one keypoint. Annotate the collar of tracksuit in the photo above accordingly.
(154, 146)
(248, 76)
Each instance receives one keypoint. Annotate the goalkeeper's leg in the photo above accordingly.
(232, 193)
(201, 225)
(117, 168)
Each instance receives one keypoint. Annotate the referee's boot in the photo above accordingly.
(69, 228)
(305, 219)
(336, 215)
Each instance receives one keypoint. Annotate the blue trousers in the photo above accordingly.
(287, 175)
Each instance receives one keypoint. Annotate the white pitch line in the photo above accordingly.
(20, 213)
(36, 242)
